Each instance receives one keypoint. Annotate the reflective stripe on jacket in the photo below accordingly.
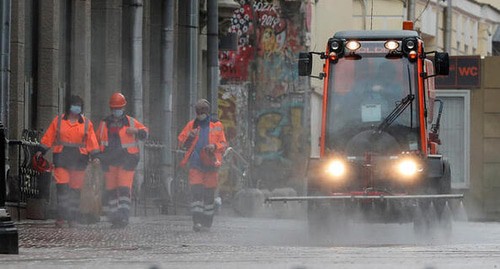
(64, 133)
(215, 136)
(128, 141)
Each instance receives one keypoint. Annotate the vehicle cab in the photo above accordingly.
(375, 108)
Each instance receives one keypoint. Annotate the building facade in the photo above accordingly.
(155, 52)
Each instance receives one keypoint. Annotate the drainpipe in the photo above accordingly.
(167, 84)
(137, 58)
(137, 91)
(363, 13)
(213, 53)
(411, 10)
(193, 25)
(5, 61)
(447, 27)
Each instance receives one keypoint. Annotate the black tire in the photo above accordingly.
(317, 215)
(326, 219)
(444, 184)
(419, 222)
(444, 211)
(434, 214)
(317, 222)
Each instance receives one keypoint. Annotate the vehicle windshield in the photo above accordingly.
(362, 93)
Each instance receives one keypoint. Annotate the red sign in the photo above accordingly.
(465, 73)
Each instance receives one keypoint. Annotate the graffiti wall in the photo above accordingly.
(233, 113)
(270, 37)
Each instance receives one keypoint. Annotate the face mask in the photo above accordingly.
(117, 112)
(202, 116)
(75, 109)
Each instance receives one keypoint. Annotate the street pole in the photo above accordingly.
(167, 85)
(5, 22)
(9, 238)
(213, 53)
(8, 232)
(137, 17)
(447, 27)
(193, 25)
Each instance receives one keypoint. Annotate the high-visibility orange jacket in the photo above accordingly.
(215, 136)
(128, 141)
(64, 133)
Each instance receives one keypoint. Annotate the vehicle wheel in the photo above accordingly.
(442, 206)
(317, 222)
(446, 221)
(419, 222)
(444, 184)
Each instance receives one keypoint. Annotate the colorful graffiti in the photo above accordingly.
(279, 133)
(227, 115)
(269, 41)
(234, 66)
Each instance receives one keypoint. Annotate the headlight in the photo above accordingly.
(353, 45)
(408, 167)
(391, 45)
(335, 168)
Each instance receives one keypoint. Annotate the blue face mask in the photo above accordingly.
(117, 112)
(75, 109)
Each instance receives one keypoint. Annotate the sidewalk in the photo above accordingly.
(41, 245)
(142, 232)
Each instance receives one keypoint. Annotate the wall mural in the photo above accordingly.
(233, 113)
(269, 41)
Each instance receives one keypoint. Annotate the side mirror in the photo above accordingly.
(442, 63)
(305, 63)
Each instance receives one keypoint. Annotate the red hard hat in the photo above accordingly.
(117, 100)
(40, 164)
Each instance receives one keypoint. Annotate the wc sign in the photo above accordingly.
(465, 73)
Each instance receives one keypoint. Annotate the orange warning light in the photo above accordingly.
(407, 25)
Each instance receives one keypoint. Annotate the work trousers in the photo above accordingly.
(203, 185)
(68, 203)
(117, 197)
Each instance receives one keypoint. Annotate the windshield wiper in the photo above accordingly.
(400, 107)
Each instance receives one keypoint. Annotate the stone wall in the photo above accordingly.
(482, 199)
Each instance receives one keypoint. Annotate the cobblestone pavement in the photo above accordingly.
(169, 242)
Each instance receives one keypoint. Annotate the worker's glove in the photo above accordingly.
(193, 133)
(210, 148)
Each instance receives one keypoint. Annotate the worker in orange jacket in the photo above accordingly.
(118, 136)
(73, 141)
(204, 141)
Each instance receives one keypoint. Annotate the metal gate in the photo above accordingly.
(23, 182)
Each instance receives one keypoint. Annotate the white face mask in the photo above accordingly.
(117, 112)
(75, 109)
(202, 116)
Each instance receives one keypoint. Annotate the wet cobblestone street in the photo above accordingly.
(234, 242)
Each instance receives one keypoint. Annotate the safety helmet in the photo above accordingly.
(40, 164)
(208, 158)
(117, 100)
